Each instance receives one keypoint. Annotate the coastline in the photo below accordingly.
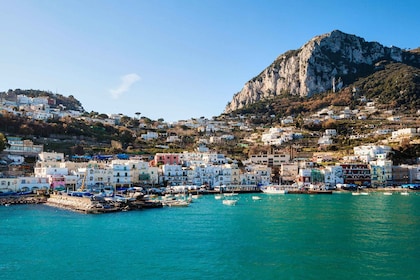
(88, 206)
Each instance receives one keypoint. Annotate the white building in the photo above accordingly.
(405, 132)
(150, 135)
(23, 147)
(121, 173)
(330, 132)
(325, 140)
(367, 153)
(270, 159)
(333, 175)
(51, 156)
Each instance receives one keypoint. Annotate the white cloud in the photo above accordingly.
(126, 82)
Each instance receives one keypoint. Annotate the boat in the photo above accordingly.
(360, 193)
(404, 193)
(387, 193)
(218, 196)
(175, 203)
(230, 202)
(255, 197)
(179, 203)
(274, 189)
(230, 194)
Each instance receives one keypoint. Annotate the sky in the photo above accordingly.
(174, 59)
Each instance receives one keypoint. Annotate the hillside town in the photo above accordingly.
(368, 166)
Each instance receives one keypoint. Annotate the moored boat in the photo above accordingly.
(176, 203)
(218, 196)
(274, 189)
(230, 194)
(229, 202)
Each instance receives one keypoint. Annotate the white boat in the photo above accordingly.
(176, 203)
(364, 193)
(229, 201)
(355, 193)
(256, 197)
(218, 196)
(387, 193)
(274, 189)
(230, 194)
(404, 193)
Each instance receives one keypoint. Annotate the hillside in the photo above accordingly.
(396, 86)
(326, 63)
(69, 103)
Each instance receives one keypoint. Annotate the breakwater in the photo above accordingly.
(90, 206)
(10, 200)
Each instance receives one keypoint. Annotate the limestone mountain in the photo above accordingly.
(325, 63)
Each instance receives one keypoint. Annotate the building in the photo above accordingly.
(289, 172)
(17, 146)
(121, 174)
(333, 175)
(270, 159)
(381, 172)
(356, 173)
(173, 175)
(165, 159)
(367, 153)
(405, 133)
(400, 175)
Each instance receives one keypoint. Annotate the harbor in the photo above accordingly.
(276, 236)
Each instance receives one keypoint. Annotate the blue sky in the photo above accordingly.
(174, 59)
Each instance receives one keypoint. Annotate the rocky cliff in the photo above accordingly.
(325, 63)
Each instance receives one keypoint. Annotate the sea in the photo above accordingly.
(292, 236)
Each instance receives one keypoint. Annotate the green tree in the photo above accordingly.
(3, 142)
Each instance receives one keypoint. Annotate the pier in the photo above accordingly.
(89, 206)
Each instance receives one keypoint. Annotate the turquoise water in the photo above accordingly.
(335, 236)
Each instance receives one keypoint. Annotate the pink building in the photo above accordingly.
(57, 182)
(162, 159)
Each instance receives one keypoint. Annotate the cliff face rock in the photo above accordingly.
(326, 62)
